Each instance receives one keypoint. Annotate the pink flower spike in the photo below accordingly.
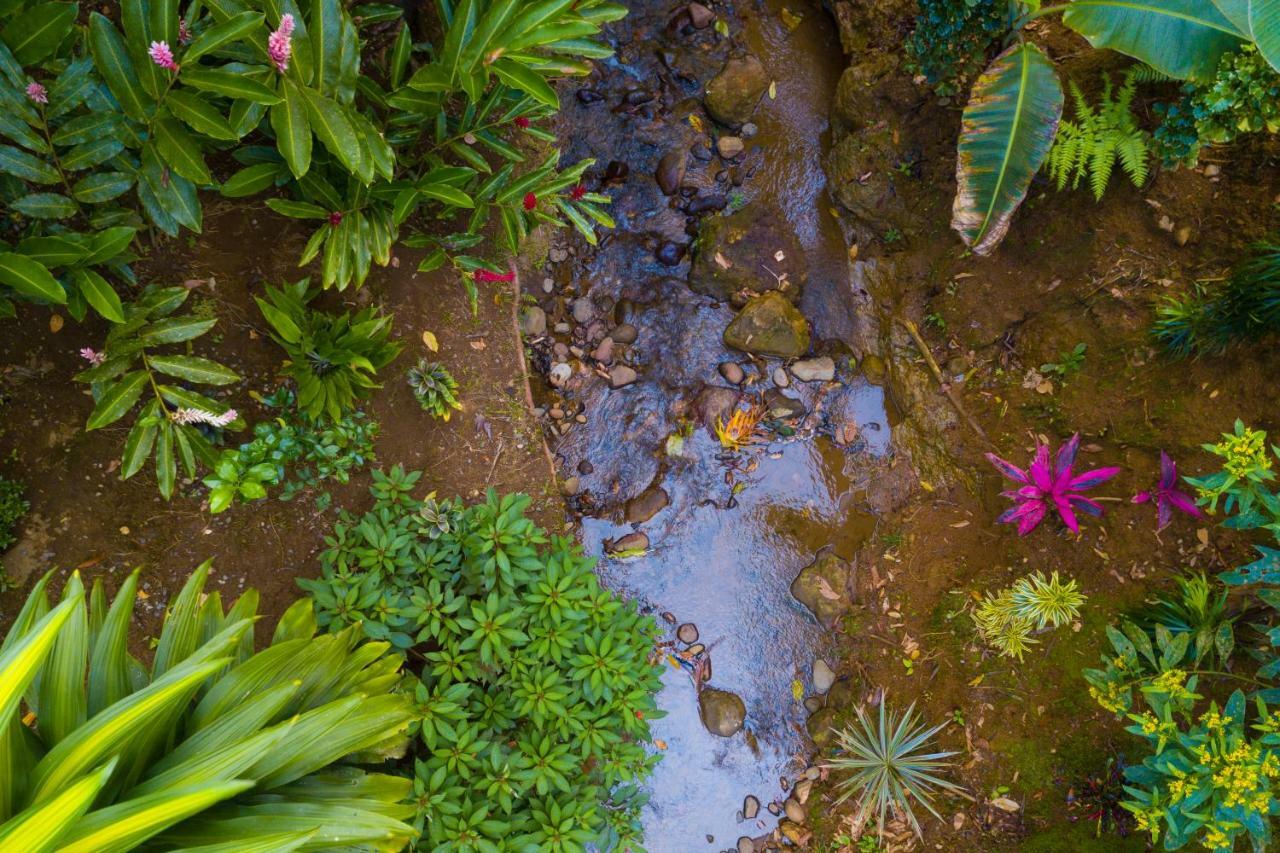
(37, 93)
(161, 55)
(280, 43)
(199, 416)
(184, 32)
(93, 357)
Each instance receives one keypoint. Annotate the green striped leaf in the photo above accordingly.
(1181, 38)
(293, 129)
(101, 187)
(53, 251)
(117, 400)
(45, 206)
(109, 660)
(1264, 24)
(227, 84)
(30, 278)
(173, 330)
(89, 154)
(236, 27)
(41, 829)
(28, 167)
(62, 703)
(99, 293)
(181, 151)
(276, 842)
(126, 825)
(86, 127)
(200, 115)
(23, 658)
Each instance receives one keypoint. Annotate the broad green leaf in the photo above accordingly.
(62, 703)
(400, 55)
(522, 77)
(13, 127)
(117, 400)
(284, 325)
(45, 206)
(181, 151)
(111, 242)
(99, 294)
(297, 209)
(166, 466)
(1264, 23)
(1181, 38)
(86, 127)
(109, 660)
(334, 129)
(200, 115)
(35, 33)
(41, 828)
(252, 180)
(113, 63)
(446, 194)
(1237, 12)
(193, 369)
(30, 278)
(174, 330)
(53, 251)
(139, 443)
(173, 194)
(101, 187)
(277, 842)
(292, 129)
(28, 167)
(1005, 135)
(227, 84)
(325, 29)
(126, 825)
(235, 27)
(86, 155)
(23, 657)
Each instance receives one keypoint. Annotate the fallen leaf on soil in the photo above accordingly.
(1006, 804)
(55, 323)
(695, 121)
(960, 524)
(1203, 535)
(722, 261)
(975, 681)
(660, 744)
(478, 345)
(773, 89)
(430, 340)
(825, 590)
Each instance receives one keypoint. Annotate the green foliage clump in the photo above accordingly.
(1198, 611)
(1241, 484)
(332, 358)
(1007, 619)
(1243, 309)
(536, 684)
(12, 508)
(212, 746)
(892, 764)
(175, 422)
(295, 450)
(951, 40)
(1242, 98)
(434, 388)
(1098, 137)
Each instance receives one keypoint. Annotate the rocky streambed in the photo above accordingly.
(713, 395)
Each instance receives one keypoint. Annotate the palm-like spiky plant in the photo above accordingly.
(890, 766)
(1046, 601)
(213, 746)
(435, 388)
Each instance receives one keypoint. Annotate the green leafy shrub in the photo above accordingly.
(212, 744)
(1243, 309)
(536, 684)
(434, 388)
(1007, 619)
(332, 358)
(294, 450)
(951, 39)
(173, 422)
(1098, 137)
(12, 509)
(1241, 484)
(1198, 611)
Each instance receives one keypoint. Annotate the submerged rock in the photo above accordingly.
(533, 321)
(753, 250)
(620, 376)
(670, 171)
(819, 725)
(723, 713)
(687, 633)
(750, 807)
(769, 325)
(648, 504)
(821, 586)
(713, 403)
(732, 94)
(820, 369)
(732, 372)
(632, 543)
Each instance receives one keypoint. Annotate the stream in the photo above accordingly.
(732, 529)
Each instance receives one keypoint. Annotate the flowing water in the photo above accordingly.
(738, 527)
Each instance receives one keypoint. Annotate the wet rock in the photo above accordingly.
(750, 807)
(793, 810)
(812, 703)
(585, 467)
(687, 633)
(569, 486)
(780, 377)
(707, 203)
(583, 310)
(670, 254)
(624, 334)
(732, 94)
(589, 96)
(780, 406)
(670, 171)
(696, 649)
(769, 325)
(746, 845)
(775, 809)
(819, 725)
(647, 504)
(713, 403)
(533, 321)
(820, 369)
(860, 167)
(700, 16)
(559, 373)
(723, 713)
(749, 130)
(732, 373)
(603, 352)
(874, 368)
(630, 543)
(795, 833)
(729, 146)
(753, 250)
(621, 376)
(823, 676)
(821, 586)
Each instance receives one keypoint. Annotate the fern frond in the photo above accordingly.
(1134, 156)
(1101, 159)
(1143, 73)
(1088, 147)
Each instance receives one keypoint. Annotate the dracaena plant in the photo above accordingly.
(332, 358)
(1045, 488)
(138, 363)
(1012, 116)
(210, 743)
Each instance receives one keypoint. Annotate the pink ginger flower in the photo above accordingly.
(486, 276)
(1046, 486)
(184, 32)
(280, 43)
(161, 55)
(92, 356)
(37, 93)
(199, 416)
(1168, 496)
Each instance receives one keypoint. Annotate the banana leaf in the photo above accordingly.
(1181, 38)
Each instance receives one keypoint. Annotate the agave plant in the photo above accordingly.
(213, 746)
(890, 765)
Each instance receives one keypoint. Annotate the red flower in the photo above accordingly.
(485, 275)
(577, 192)
(639, 715)
(530, 201)
(335, 218)
(522, 122)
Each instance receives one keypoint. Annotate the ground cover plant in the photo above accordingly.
(12, 508)
(533, 686)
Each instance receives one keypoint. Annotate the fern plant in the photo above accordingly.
(1098, 137)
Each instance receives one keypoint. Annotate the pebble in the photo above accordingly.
(794, 811)
(687, 633)
(670, 171)
(557, 413)
(812, 704)
(750, 807)
(746, 845)
(630, 542)
(533, 321)
(570, 486)
(749, 130)
(585, 467)
(558, 255)
(548, 285)
(731, 372)
(561, 350)
(624, 334)
(812, 773)
(729, 146)
(820, 369)
(563, 328)
(823, 676)
(696, 649)
(781, 378)
(604, 352)
(559, 373)
(620, 376)
(700, 16)
(1183, 235)
(708, 203)
(775, 809)
(583, 310)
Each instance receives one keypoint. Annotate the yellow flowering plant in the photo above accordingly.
(1242, 482)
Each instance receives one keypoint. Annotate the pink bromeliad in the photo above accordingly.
(1044, 486)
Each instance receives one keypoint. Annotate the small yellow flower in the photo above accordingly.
(1244, 454)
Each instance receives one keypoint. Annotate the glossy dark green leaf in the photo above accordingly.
(109, 243)
(252, 180)
(522, 77)
(193, 369)
(45, 206)
(200, 115)
(99, 294)
(116, 68)
(86, 155)
(36, 32)
(227, 84)
(166, 466)
(173, 330)
(101, 187)
(297, 209)
(30, 278)
(28, 167)
(117, 400)
(234, 28)
(53, 251)
(181, 151)
(293, 129)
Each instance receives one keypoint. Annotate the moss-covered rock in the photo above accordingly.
(732, 94)
(723, 713)
(751, 251)
(769, 325)
(822, 586)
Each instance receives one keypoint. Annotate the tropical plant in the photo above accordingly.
(213, 746)
(1241, 483)
(434, 388)
(12, 508)
(1198, 611)
(1012, 116)
(332, 358)
(1098, 137)
(1167, 496)
(1007, 619)
(1068, 362)
(536, 684)
(1243, 309)
(175, 423)
(891, 765)
(1043, 487)
(951, 39)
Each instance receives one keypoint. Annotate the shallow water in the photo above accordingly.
(739, 527)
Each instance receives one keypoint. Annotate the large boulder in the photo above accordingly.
(723, 713)
(769, 325)
(822, 586)
(732, 94)
(735, 254)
